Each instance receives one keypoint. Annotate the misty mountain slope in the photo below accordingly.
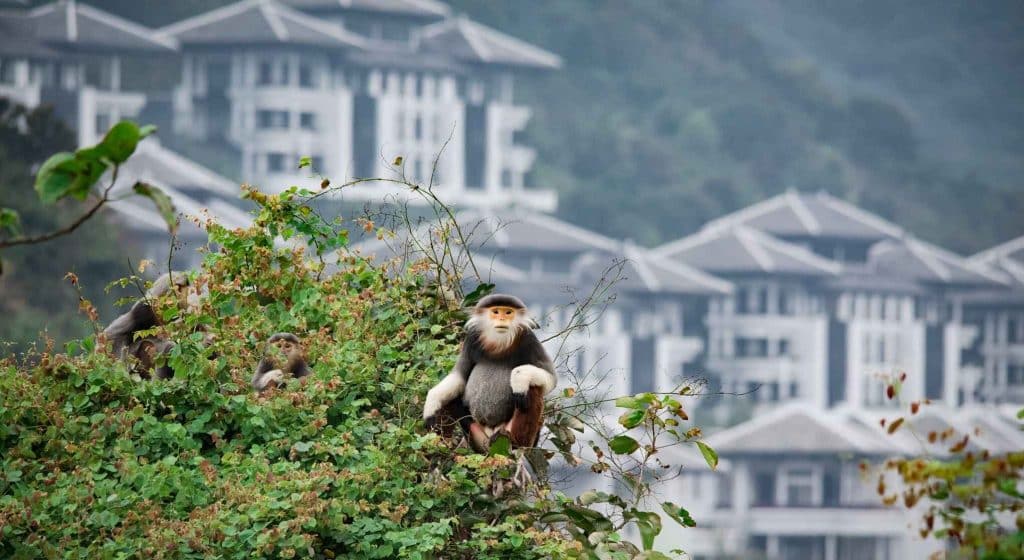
(668, 113)
(956, 69)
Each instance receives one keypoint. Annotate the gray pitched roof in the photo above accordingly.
(916, 260)
(644, 273)
(259, 22)
(76, 25)
(1007, 258)
(794, 214)
(474, 42)
(735, 249)
(414, 8)
(798, 428)
(533, 231)
(18, 38)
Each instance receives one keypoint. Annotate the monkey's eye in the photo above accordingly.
(509, 312)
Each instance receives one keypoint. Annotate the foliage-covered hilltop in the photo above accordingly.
(98, 463)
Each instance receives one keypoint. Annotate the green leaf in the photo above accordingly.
(679, 514)
(10, 221)
(623, 445)
(1020, 414)
(632, 418)
(709, 454)
(52, 180)
(120, 141)
(305, 161)
(163, 203)
(649, 525)
(629, 402)
(501, 445)
(477, 294)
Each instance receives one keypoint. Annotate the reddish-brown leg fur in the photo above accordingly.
(524, 427)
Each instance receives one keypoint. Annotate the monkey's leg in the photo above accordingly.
(453, 414)
(478, 438)
(524, 427)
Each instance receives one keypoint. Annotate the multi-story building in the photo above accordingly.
(830, 299)
(992, 338)
(791, 486)
(69, 55)
(355, 86)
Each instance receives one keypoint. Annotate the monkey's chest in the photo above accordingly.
(488, 393)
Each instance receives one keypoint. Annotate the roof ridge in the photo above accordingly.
(208, 17)
(764, 260)
(126, 25)
(580, 233)
(795, 251)
(695, 274)
(999, 250)
(326, 27)
(736, 217)
(274, 21)
(803, 213)
(646, 275)
(856, 213)
(514, 43)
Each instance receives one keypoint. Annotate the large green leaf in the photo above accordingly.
(709, 454)
(501, 445)
(162, 201)
(632, 418)
(623, 445)
(53, 180)
(120, 141)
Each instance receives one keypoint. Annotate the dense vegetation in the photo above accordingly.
(97, 463)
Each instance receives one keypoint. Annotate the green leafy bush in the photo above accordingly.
(97, 464)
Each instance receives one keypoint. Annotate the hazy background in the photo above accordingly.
(669, 113)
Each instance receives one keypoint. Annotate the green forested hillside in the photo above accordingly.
(670, 113)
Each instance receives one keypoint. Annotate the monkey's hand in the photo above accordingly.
(270, 379)
(523, 377)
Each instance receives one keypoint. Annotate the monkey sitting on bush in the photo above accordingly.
(120, 334)
(283, 355)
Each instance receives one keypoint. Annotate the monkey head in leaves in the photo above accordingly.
(283, 357)
(499, 380)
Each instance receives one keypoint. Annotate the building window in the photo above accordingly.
(275, 162)
(307, 121)
(784, 347)
(751, 347)
(102, 122)
(418, 127)
(307, 77)
(400, 125)
(798, 486)
(1015, 375)
(266, 119)
(6, 71)
(266, 76)
(317, 162)
(764, 489)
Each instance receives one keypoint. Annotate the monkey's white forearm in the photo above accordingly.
(261, 381)
(526, 376)
(442, 393)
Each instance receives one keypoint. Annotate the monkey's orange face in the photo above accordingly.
(502, 318)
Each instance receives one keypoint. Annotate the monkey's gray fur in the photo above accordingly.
(121, 332)
(494, 372)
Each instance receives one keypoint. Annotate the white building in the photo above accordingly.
(70, 55)
(355, 85)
